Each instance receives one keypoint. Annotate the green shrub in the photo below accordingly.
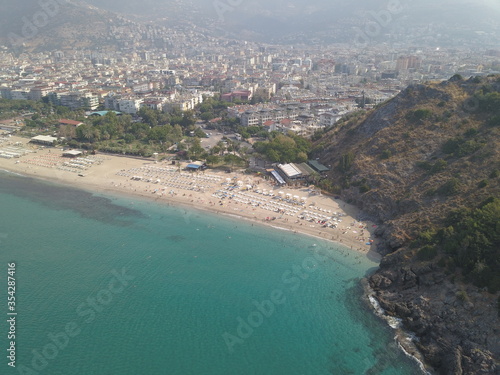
(460, 147)
(346, 161)
(468, 147)
(419, 115)
(482, 184)
(494, 121)
(427, 253)
(429, 193)
(474, 243)
(462, 296)
(386, 154)
(495, 173)
(471, 132)
(439, 165)
(489, 102)
(451, 146)
(364, 188)
(451, 187)
(425, 165)
(427, 236)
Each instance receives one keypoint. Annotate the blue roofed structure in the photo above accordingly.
(104, 113)
(197, 165)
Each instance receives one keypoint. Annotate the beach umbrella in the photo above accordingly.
(281, 192)
(240, 183)
(296, 197)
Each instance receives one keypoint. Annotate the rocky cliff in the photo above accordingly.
(425, 165)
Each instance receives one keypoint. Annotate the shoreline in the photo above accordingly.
(103, 179)
(403, 338)
(110, 174)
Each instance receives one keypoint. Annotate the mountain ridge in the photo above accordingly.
(425, 165)
(442, 23)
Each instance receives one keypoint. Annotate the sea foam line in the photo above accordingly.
(395, 323)
(14, 173)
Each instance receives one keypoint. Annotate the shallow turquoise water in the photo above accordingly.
(113, 285)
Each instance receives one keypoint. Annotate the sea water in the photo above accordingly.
(122, 286)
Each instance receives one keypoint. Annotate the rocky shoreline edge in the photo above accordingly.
(404, 339)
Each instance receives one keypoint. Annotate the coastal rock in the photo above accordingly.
(452, 363)
(391, 162)
(379, 281)
(408, 277)
(402, 310)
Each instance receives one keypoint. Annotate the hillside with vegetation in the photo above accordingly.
(35, 26)
(426, 166)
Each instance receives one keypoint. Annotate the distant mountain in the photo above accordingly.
(325, 20)
(54, 24)
(426, 166)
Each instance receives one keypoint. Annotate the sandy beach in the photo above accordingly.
(300, 210)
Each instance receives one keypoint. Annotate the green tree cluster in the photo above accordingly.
(285, 148)
(460, 147)
(212, 108)
(419, 115)
(472, 239)
(113, 133)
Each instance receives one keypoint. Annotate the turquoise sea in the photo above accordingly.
(120, 286)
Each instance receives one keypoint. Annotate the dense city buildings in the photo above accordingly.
(300, 88)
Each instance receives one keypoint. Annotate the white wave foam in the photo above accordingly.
(395, 323)
(14, 173)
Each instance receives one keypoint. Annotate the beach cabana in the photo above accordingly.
(72, 153)
(197, 165)
(46, 140)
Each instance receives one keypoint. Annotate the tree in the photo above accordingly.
(213, 160)
(195, 150)
(188, 120)
(84, 133)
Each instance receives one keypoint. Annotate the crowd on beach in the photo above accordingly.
(245, 196)
(295, 208)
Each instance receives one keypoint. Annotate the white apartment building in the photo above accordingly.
(130, 105)
(78, 99)
(328, 119)
(184, 102)
(258, 118)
